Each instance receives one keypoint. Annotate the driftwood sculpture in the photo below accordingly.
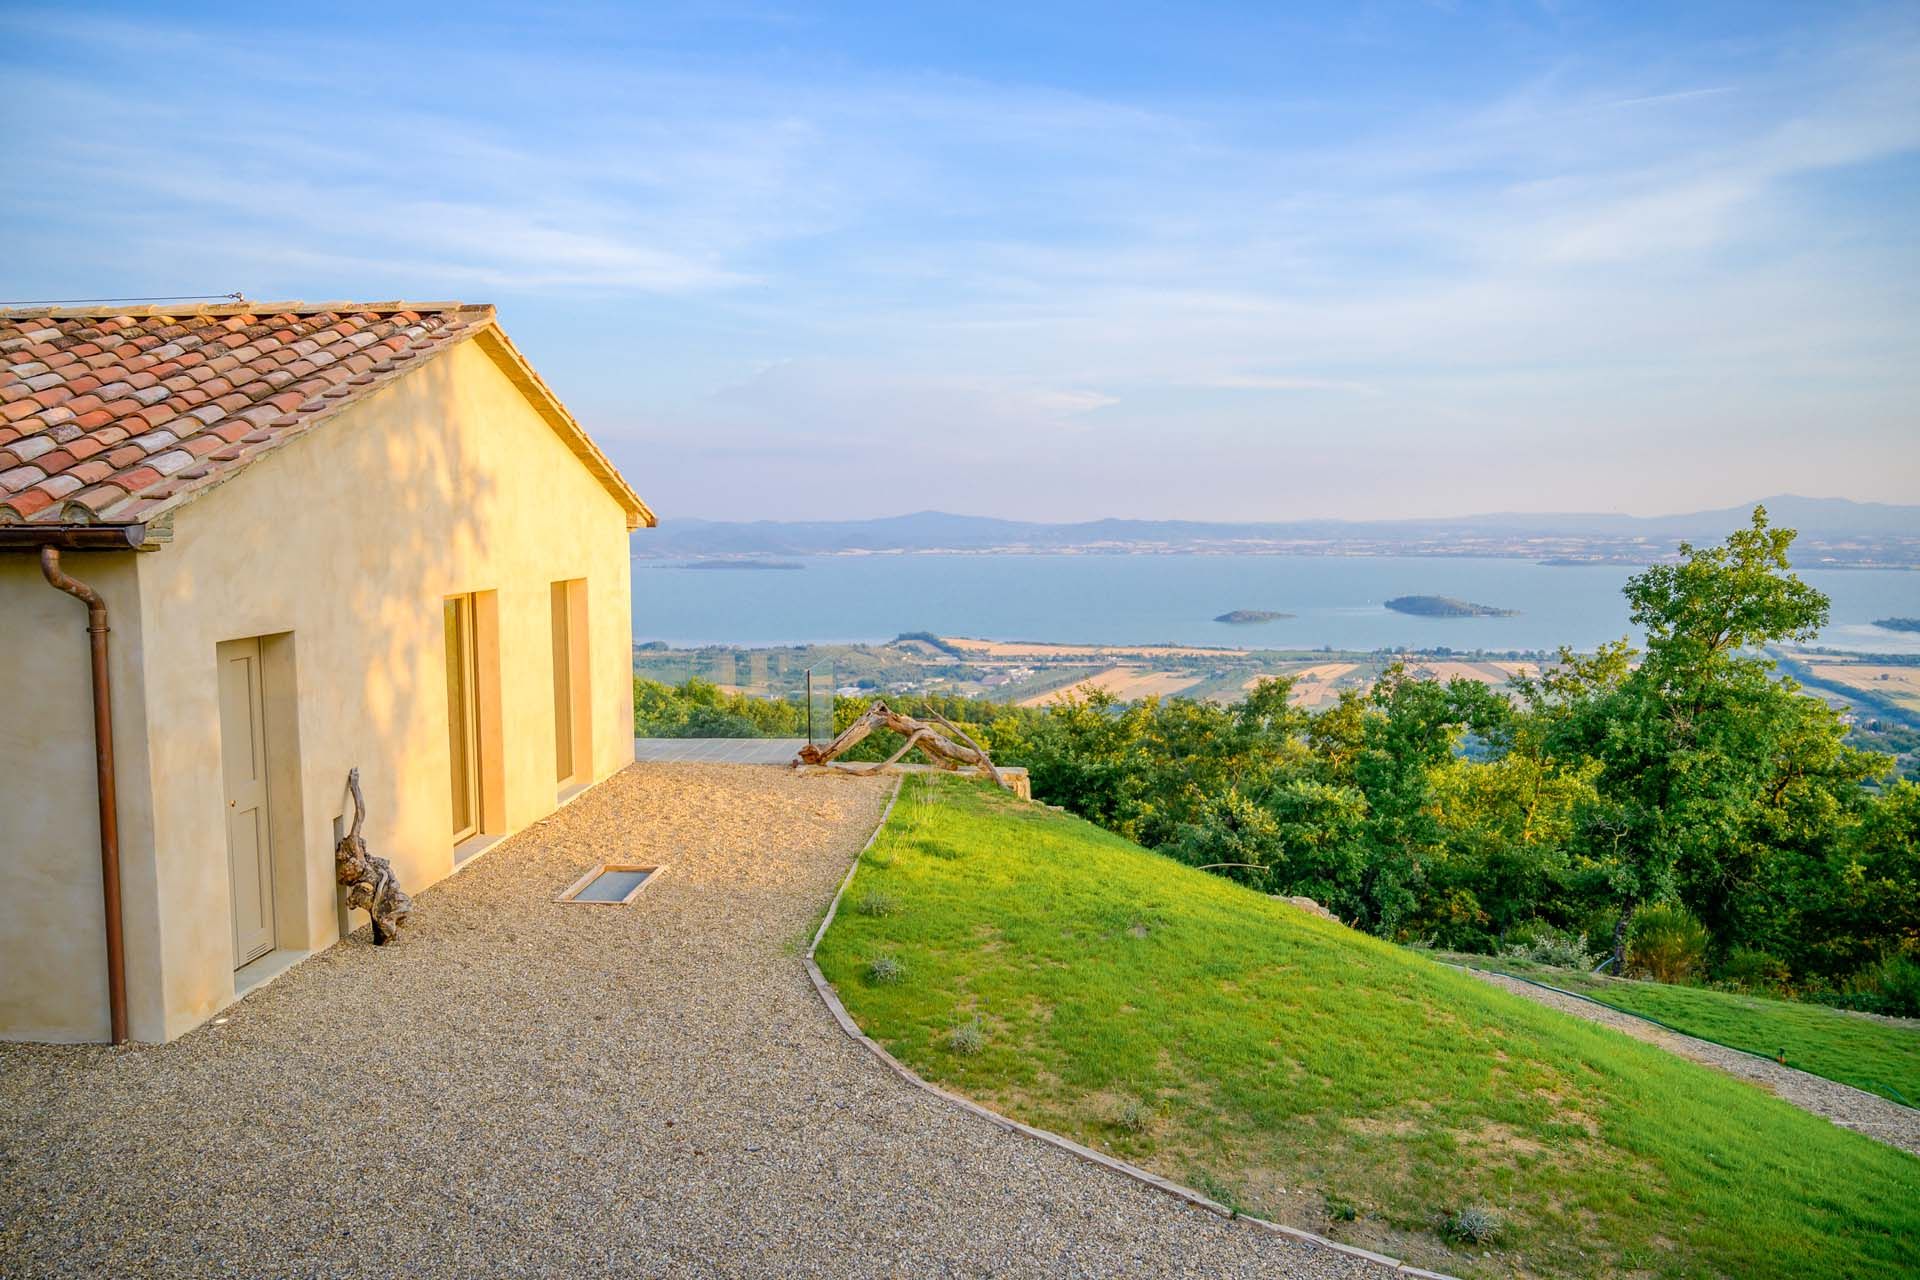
(942, 751)
(371, 886)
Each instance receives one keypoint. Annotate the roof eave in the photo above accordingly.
(73, 537)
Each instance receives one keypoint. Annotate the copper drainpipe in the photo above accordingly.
(103, 761)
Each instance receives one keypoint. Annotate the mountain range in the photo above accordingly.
(1831, 529)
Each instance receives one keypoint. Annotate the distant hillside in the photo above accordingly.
(1831, 529)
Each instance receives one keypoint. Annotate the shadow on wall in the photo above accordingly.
(351, 539)
(428, 537)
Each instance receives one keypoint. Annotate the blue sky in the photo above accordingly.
(1055, 261)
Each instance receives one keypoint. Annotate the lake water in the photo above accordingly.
(1116, 599)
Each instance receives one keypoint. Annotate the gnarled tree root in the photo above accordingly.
(371, 885)
(937, 748)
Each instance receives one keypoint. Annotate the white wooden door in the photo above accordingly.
(243, 751)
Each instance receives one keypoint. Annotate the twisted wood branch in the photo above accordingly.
(937, 748)
(371, 884)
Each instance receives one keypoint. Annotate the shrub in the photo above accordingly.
(968, 1038)
(1750, 969)
(1341, 1209)
(1900, 985)
(877, 904)
(1552, 946)
(1891, 987)
(1475, 1224)
(886, 968)
(1598, 926)
(712, 722)
(1666, 943)
(1132, 1116)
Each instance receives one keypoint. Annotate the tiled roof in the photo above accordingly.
(116, 419)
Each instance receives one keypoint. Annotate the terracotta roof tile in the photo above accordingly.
(91, 500)
(25, 506)
(19, 477)
(103, 415)
(111, 418)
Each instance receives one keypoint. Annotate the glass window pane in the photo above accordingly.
(562, 685)
(460, 714)
(612, 886)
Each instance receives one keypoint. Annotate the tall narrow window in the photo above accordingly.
(562, 685)
(463, 715)
(572, 709)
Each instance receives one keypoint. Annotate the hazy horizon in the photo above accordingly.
(1392, 259)
(1291, 519)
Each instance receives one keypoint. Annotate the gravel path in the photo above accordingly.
(519, 1087)
(1846, 1106)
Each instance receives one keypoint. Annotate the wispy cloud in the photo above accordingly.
(1285, 382)
(881, 257)
(1678, 95)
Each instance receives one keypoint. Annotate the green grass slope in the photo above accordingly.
(1879, 1056)
(1309, 1074)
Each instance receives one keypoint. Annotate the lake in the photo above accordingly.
(1117, 599)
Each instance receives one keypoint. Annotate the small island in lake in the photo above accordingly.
(1240, 617)
(742, 564)
(1446, 607)
(1898, 624)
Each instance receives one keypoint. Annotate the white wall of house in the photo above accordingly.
(339, 549)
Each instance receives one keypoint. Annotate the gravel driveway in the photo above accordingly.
(519, 1087)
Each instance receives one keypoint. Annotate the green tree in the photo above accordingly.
(1863, 899)
(1700, 740)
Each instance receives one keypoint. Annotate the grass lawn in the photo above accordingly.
(1306, 1073)
(1880, 1057)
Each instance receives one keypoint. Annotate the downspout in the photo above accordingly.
(103, 762)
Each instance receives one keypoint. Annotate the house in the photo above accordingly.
(271, 543)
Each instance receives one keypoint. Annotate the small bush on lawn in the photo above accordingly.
(1133, 1116)
(1552, 946)
(1475, 1224)
(1341, 1209)
(885, 969)
(877, 904)
(1666, 943)
(967, 1038)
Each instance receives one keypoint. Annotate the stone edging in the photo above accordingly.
(1100, 1158)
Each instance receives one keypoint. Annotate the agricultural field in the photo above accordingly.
(1031, 649)
(1034, 674)
(1318, 685)
(1128, 684)
(1900, 684)
(1495, 674)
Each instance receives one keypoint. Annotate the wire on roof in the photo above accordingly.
(235, 296)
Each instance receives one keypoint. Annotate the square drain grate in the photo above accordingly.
(610, 884)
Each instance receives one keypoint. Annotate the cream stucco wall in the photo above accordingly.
(53, 955)
(342, 546)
